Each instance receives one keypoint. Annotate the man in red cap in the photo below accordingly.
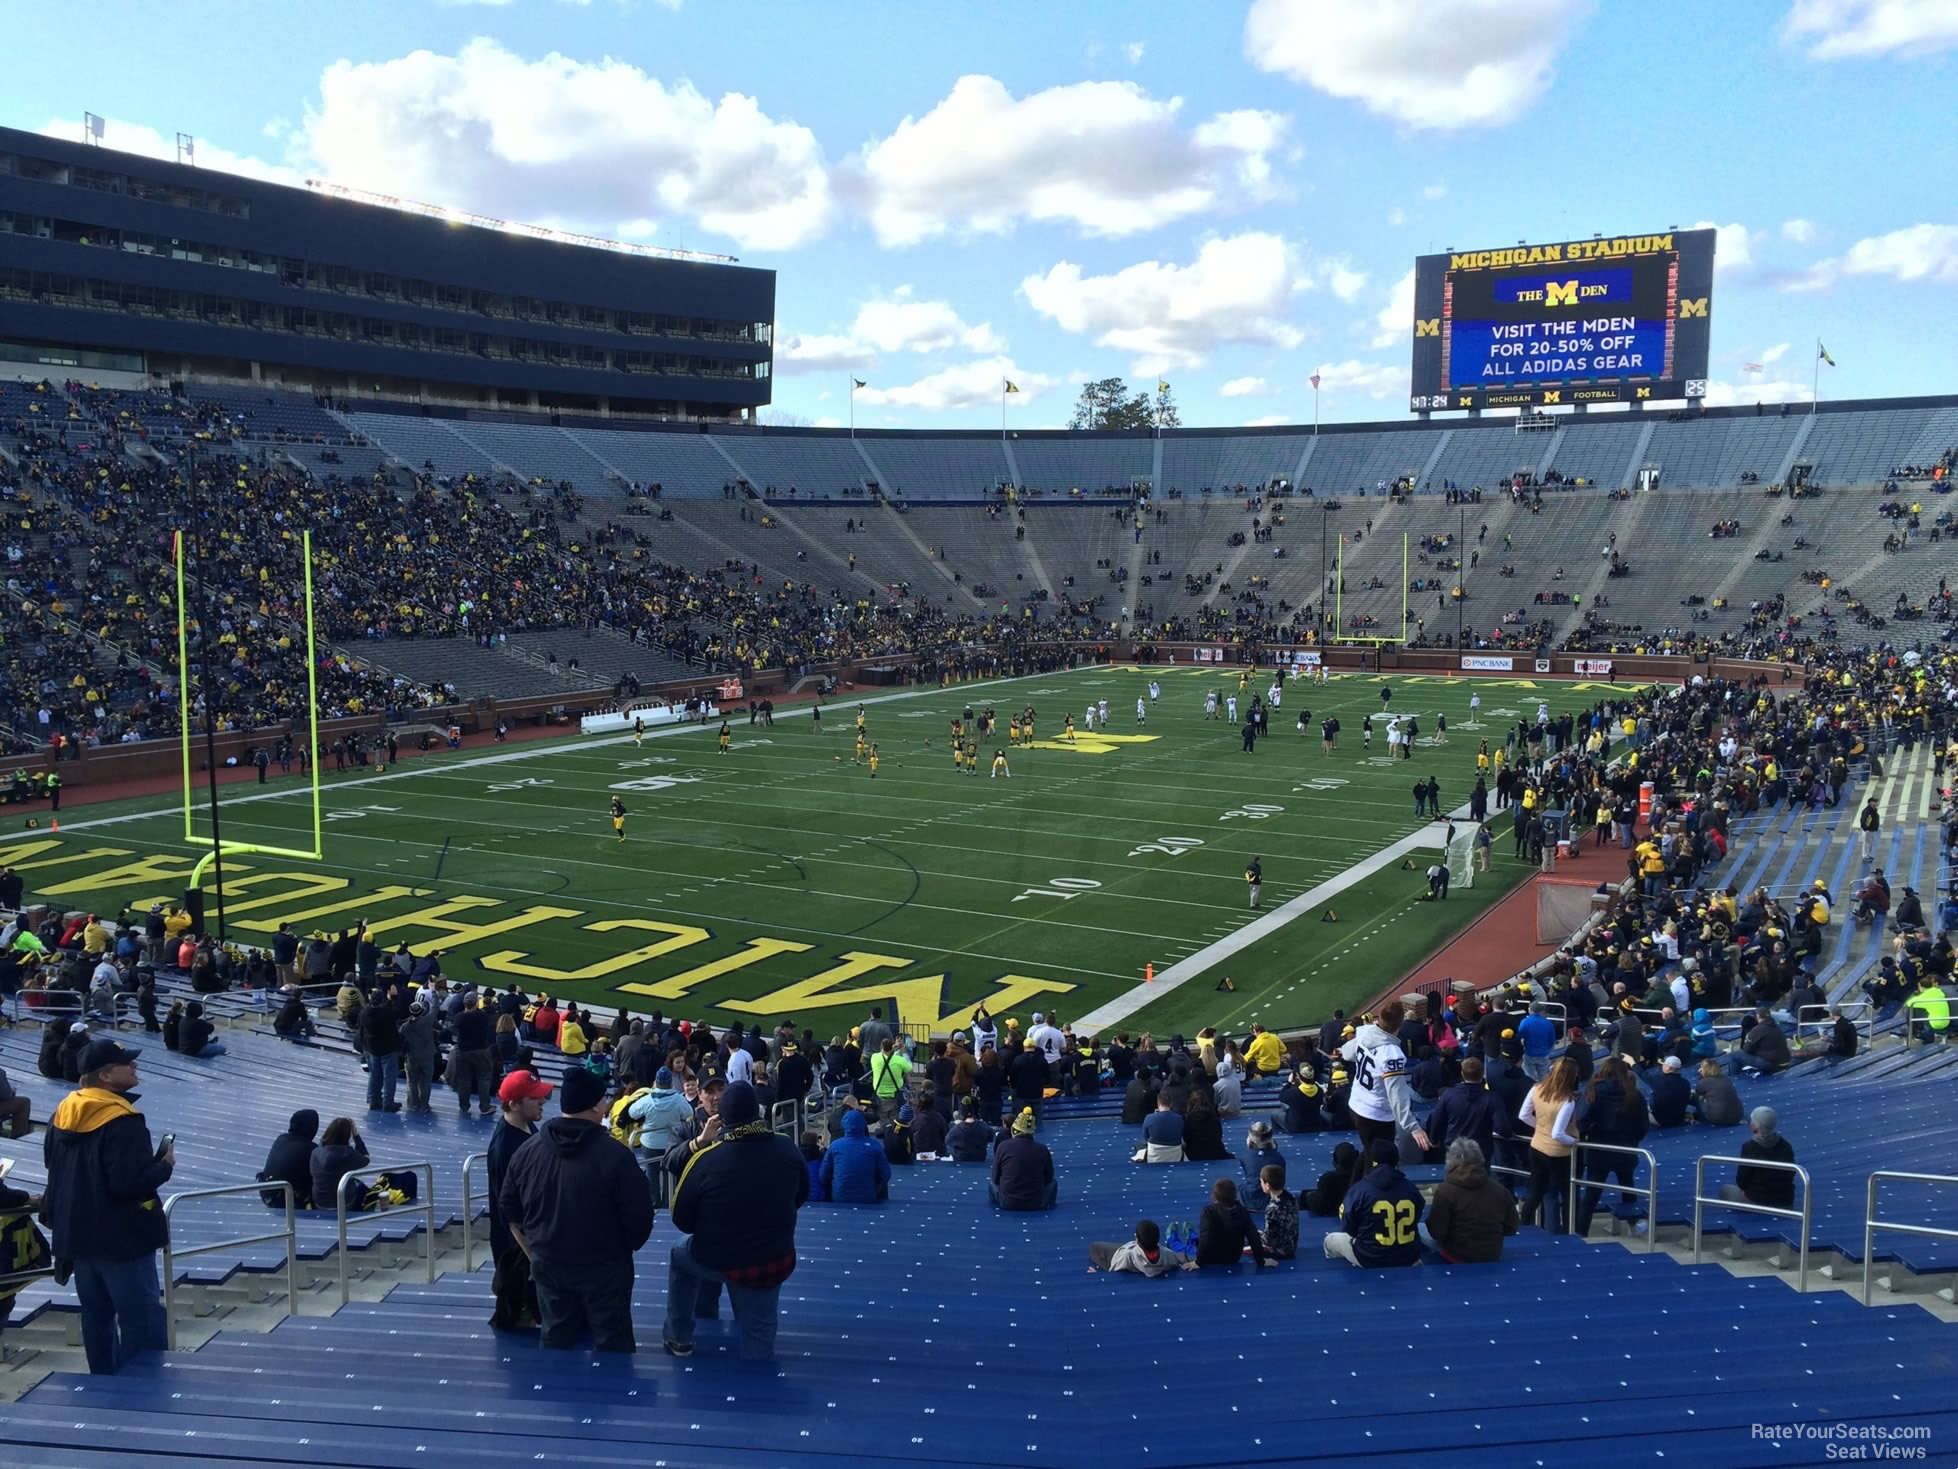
(522, 1096)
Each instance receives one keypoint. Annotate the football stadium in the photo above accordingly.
(589, 875)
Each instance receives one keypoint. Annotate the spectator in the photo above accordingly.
(1325, 1199)
(659, 1113)
(1550, 1110)
(1264, 1055)
(1765, 1048)
(291, 1159)
(856, 1169)
(473, 1064)
(1225, 1231)
(1772, 1188)
(971, 1137)
(888, 1071)
(380, 1042)
(1671, 1095)
(1143, 1255)
(1023, 1169)
(1929, 1011)
(22, 1245)
(810, 1144)
(418, 1056)
(1260, 1153)
(1715, 1102)
(1470, 1215)
(292, 1023)
(1382, 1215)
(1029, 1076)
(1467, 1109)
(1301, 1097)
(1537, 1035)
(102, 1209)
(1227, 1093)
(928, 1130)
(522, 1098)
(1613, 1115)
(341, 1151)
(1380, 1102)
(1139, 1097)
(1281, 1211)
(1203, 1130)
(737, 1201)
(578, 1207)
(13, 1109)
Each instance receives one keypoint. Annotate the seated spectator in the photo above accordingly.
(173, 1027)
(1281, 1211)
(292, 1023)
(928, 1128)
(1381, 1220)
(856, 1170)
(1023, 1169)
(1765, 1047)
(1143, 1255)
(1139, 1097)
(1260, 1152)
(896, 1137)
(1328, 1196)
(342, 1151)
(1162, 1134)
(812, 1157)
(971, 1137)
(1471, 1214)
(1301, 1097)
(196, 1036)
(291, 1159)
(1228, 1093)
(1715, 1102)
(1203, 1130)
(1671, 1095)
(1929, 1011)
(54, 1038)
(1264, 1054)
(1225, 1231)
(1773, 1188)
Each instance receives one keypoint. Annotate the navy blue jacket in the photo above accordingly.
(1381, 1212)
(1467, 1109)
(103, 1175)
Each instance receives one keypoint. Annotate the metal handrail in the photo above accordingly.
(469, 1212)
(1871, 1224)
(125, 1001)
(1866, 1027)
(1650, 1194)
(1805, 1214)
(43, 1012)
(426, 1208)
(171, 1254)
(776, 1117)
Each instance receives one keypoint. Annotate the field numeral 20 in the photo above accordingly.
(1251, 811)
(1060, 887)
(1168, 846)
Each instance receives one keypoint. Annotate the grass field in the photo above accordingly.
(777, 880)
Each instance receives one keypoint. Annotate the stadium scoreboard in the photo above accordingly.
(1612, 319)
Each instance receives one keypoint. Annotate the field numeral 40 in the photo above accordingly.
(1251, 811)
(1060, 887)
(1168, 846)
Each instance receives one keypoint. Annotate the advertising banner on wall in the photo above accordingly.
(1487, 663)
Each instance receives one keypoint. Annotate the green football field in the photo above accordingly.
(781, 879)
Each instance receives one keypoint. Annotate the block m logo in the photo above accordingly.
(1692, 306)
(1429, 328)
(1560, 293)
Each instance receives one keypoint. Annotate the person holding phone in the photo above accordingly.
(102, 1209)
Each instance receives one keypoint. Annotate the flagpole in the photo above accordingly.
(1814, 393)
(1315, 410)
(853, 407)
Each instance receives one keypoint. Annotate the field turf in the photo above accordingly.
(781, 879)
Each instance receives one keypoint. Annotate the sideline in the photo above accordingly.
(540, 749)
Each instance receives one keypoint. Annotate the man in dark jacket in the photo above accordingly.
(380, 1042)
(1671, 1095)
(1468, 1109)
(577, 1205)
(1029, 1077)
(1773, 1187)
(472, 1068)
(737, 1199)
(523, 1095)
(101, 1207)
(1139, 1097)
(1470, 1215)
(1765, 1047)
(291, 1159)
(1023, 1169)
(1511, 1084)
(1379, 1226)
(795, 1075)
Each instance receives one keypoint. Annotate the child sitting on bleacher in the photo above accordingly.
(1281, 1213)
(1143, 1255)
(1326, 1199)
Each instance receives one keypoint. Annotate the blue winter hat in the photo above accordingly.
(663, 1077)
(739, 1105)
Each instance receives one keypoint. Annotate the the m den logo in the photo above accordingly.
(1562, 293)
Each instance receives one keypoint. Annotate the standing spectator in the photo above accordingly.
(1870, 823)
(285, 954)
(1538, 1035)
(418, 1055)
(380, 1042)
(795, 1078)
(473, 1065)
(1550, 1111)
(888, 1071)
(1380, 1103)
(1023, 1170)
(872, 1034)
(737, 1202)
(658, 1114)
(1470, 1215)
(102, 1209)
(522, 1096)
(1773, 1188)
(1467, 1109)
(1379, 1228)
(1028, 1075)
(578, 1207)
(1614, 1115)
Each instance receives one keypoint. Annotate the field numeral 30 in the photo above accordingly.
(1251, 811)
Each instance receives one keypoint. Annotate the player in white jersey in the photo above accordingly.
(1088, 723)
(1230, 707)
(1210, 705)
(1475, 706)
(1542, 712)
(1155, 691)
(1141, 711)
(1103, 704)
(1380, 1100)
(1323, 674)
(1393, 735)
(1271, 695)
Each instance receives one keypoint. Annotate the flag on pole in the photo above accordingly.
(1823, 352)
(1161, 386)
(1314, 380)
(1011, 386)
(857, 382)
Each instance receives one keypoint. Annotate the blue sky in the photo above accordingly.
(1228, 196)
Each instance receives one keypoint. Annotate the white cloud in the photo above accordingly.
(1169, 316)
(1271, 420)
(1374, 379)
(967, 385)
(1771, 355)
(1798, 231)
(486, 4)
(1921, 252)
(1834, 30)
(1395, 323)
(593, 143)
(1344, 281)
(826, 422)
(815, 353)
(1243, 387)
(1733, 246)
(901, 324)
(1396, 218)
(1721, 394)
(1105, 156)
(135, 137)
(1435, 191)
(1439, 64)
(1135, 50)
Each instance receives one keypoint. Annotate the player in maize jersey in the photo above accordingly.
(1381, 1101)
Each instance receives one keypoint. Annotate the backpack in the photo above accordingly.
(624, 1130)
